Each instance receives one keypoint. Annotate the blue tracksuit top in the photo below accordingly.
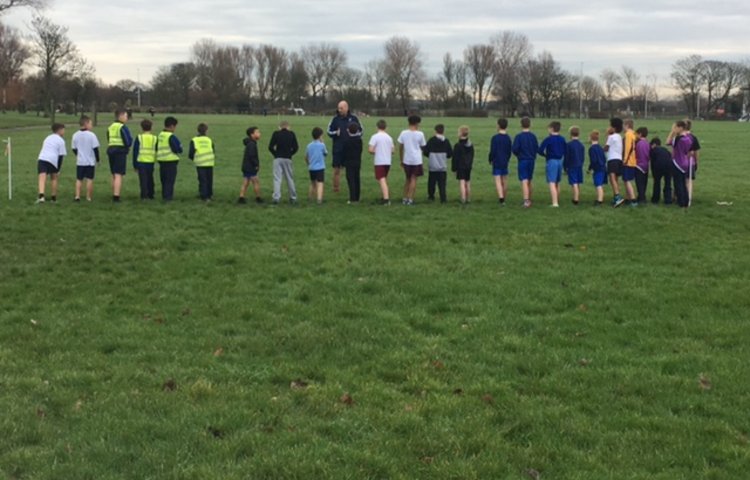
(525, 146)
(575, 155)
(553, 147)
(597, 159)
(501, 149)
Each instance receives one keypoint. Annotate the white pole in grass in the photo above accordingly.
(9, 153)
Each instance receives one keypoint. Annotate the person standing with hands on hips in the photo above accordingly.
(339, 132)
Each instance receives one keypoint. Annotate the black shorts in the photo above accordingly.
(413, 171)
(463, 175)
(118, 164)
(83, 172)
(338, 159)
(318, 176)
(614, 167)
(48, 168)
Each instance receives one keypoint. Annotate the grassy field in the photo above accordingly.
(192, 341)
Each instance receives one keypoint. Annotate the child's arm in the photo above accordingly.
(127, 139)
(96, 155)
(401, 152)
(191, 151)
(136, 152)
(175, 145)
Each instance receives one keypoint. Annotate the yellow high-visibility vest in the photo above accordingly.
(114, 135)
(147, 148)
(204, 152)
(164, 152)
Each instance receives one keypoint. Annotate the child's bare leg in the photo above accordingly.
(615, 184)
(42, 183)
(89, 189)
(526, 187)
(336, 179)
(576, 193)
(53, 183)
(384, 189)
(553, 193)
(467, 186)
(630, 190)
(116, 185)
(78, 188)
(256, 187)
(499, 187)
(600, 194)
(412, 187)
(320, 187)
(243, 189)
(504, 182)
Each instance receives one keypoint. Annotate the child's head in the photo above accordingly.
(594, 136)
(642, 132)
(58, 128)
(688, 124)
(628, 124)
(121, 115)
(253, 133)
(463, 132)
(202, 129)
(382, 125)
(575, 131)
(170, 124)
(502, 124)
(526, 123)
(317, 132)
(440, 129)
(414, 121)
(655, 142)
(284, 125)
(147, 125)
(554, 127)
(616, 125)
(85, 123)
(680, 126)
(353, 128)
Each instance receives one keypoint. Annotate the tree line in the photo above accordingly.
(505, 74)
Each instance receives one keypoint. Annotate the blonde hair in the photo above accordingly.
(463, 131)
(594, 136)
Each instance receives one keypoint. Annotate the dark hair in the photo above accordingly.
(688, 124)
(415, 120)
(656, 142)
(84, 120)
(440, 129)
(382, 125)
(353, 128)
(120, 111)
(56, 127)
(317, 132)
(642, 131)
(616, 123)
(525, 122)
(575, 132)
(147, 125)
(251, 131)
(502, 123)
(681, 124)
(202, 129)
(555, 126)
(170, 122)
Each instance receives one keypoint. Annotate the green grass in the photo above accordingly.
(478, 342)
(14, 120)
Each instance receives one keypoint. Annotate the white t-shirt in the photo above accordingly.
(614, 142)
(383, 145)
(413, 141)
(52, 149)
(85, 141)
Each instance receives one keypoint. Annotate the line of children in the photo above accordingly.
(85, 146)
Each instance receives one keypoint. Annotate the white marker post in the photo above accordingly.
(9, 154)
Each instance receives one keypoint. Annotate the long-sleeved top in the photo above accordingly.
(525, 146)
(681, 148)
(438, 150)
(191, 149)
(251, 160)
(283, 144)
(501, 148)
(660, 158)
(575, 155)
(353, 152)
(463, 156)
(174, 144)
(338, 130)
(642, 154)
(597, 159)
(127, 139)
(553, 148)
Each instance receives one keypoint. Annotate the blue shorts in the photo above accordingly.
(526, 170)
(118, 163)
(85, 172)
(628, 174)
(249, 175)
(600, 179)
(575, 176)
(554, 171)
(500, 172)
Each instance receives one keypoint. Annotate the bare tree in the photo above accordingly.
(13, 55)
(202, 56)
(611, 82)
(630, 81)
(403, 67)
(590, 90)
(323, 62)
(376, 80)
(513, 52)
(455, 75)
(246, 68)
(687, 77)
(296, 80)
(270, 72)
(172, 85)
(720, 80)
(55, 54)
(480, 62)
(8, 4)
(83, 75)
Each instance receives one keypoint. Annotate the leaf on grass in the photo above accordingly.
(218, 352)
(488, 399)
(427, 460)
(40, 412)
(160, 319)
(34, 322)
(170, 385)
(583, 308)
(186, 312)
(580, 334)
(584, 362)
(347, 399)
(147, 317)
(215, 432)
(465, 326)
(78, 406)
(705, 382)
(408, 408)
(458, 391)
(284, 249)
(299, 384)
(438, 365)
(533, 473)
(584, 248)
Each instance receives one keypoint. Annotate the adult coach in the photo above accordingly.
(338, 130)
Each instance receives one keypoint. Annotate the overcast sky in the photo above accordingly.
(125, 37)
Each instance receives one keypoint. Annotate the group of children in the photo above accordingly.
(627, 155)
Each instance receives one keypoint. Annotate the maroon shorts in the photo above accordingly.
(413, 171)
(381, 171)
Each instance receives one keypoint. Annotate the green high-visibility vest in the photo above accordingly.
(147, 148)
(164, 152)
(114, 135)
(204, 152)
